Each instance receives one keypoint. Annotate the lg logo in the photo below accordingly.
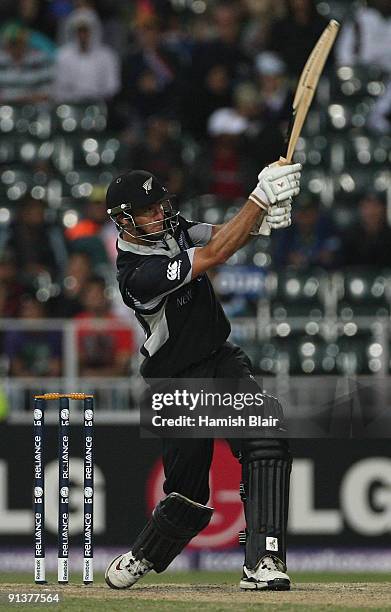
(364, 494)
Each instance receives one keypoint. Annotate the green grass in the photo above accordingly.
(77, 605)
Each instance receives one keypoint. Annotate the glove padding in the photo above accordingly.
(277, 217)
(276, 184)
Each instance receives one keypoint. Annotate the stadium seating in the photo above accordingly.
(358, 352)
(89, 152)
(295, 354)
(78, 183)
(357, 83)
(363, 294)
(294, 294)
(81, 118)
(344, 215)
(27, 119)
(300, 354)
(314, 151)
(350, 184)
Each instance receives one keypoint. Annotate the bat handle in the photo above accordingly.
(283, 161)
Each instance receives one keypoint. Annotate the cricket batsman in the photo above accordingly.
(161, 258)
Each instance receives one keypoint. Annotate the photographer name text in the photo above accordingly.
(207, 421)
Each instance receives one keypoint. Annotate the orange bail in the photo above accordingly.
(54, 396)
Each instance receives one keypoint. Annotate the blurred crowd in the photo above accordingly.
(200, 93)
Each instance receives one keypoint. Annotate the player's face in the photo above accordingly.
(84, 36)
(153, 214)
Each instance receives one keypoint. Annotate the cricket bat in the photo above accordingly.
(307, 85)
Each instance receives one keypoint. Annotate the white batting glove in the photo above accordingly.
(277, 217)
(276, 184)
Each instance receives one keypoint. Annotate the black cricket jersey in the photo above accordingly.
(182, 318)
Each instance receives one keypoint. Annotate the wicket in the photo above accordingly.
(63, 486)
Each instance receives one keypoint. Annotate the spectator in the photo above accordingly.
(310, 242)
(110, 21)
(365, 40)
(214, 91)
(25, 72)
(38, 246)
(32, 15)
(105, 344)
(86, 70)
(35, 15)
(79, 10)
(220, 168)
(151, 71)
(160, 152)
(11, 289)
(267, 110)
(175, 36)
(368, 243)
(261, 15)
(224, 49)
(252, 134)
(77, 273)
(275, 93)
(33, 352)
(294, 36)
(93, 234)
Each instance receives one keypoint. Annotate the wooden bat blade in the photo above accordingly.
(307, 84)
(315, 63)
(301, 114)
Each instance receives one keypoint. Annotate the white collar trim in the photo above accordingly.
(142, 249)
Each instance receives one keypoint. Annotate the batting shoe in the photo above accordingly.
(269, 574)
(125, 570)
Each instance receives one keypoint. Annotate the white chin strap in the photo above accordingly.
(159, 236)
(149, 236)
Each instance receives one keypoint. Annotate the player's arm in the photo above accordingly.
(276, 217)
(216, 229)
(276, 185)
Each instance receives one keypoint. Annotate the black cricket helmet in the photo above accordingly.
(130, 193)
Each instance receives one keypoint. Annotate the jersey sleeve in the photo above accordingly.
(200, 233)
(156, 277)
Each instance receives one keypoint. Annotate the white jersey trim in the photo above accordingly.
(155, 301)
(156, 249)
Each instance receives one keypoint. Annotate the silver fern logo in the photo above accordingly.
(148, 185)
